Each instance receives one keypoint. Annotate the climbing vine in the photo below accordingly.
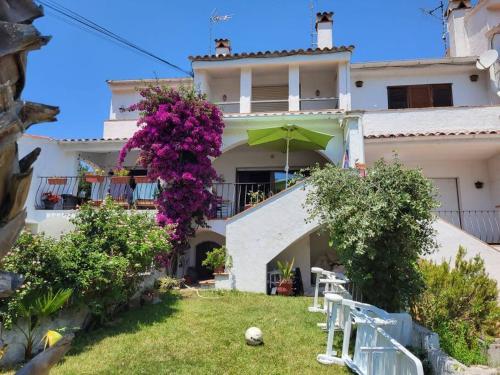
(179, 134)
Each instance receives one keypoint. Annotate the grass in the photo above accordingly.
(186, 334)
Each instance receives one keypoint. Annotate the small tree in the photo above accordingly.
(379, 225)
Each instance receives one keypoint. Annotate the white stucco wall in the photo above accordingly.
(427, 120)
(467, 172)
(52, 161)
(258, 235)
(373, 94)
(257, 158)
(449, 238)
(494, 180)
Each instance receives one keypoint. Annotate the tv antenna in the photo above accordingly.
(313, 6)
(215, 18)
(438, 13)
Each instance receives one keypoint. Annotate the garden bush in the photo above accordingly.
(102, 260)
(460, 304)
(379, 225)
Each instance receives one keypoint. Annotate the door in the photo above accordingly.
(202, 249)
(448, 197)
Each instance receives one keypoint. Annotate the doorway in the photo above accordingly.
(202, 249)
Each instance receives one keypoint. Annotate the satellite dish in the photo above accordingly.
(487, 59)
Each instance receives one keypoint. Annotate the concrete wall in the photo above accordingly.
(373, 94)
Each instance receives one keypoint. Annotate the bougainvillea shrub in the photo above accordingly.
(179, 134)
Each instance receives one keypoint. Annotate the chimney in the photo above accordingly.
(324, 29)
(457, 31)
(457, 4)
(222, 47)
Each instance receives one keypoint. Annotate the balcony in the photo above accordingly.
(277, 88)
(281, 105)
(139, 192)
(482, 224)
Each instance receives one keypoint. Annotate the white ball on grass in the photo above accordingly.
(253, 336)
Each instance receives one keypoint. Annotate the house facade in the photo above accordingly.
(441, 115)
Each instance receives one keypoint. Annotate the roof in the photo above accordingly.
(119, 82)
(246, 55)
(412, 63)
(433, 134)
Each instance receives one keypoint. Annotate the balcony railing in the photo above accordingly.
(128, 191)
(315, 104)
(281, 105)
(229, 107)
(483, 224)
(140, 192)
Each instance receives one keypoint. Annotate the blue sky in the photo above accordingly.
(72, 69)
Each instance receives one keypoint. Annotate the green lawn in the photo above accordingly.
(191, 335)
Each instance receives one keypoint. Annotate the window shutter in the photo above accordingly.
(397, 97)
(420, 96)
(442, 95)
(270, 94)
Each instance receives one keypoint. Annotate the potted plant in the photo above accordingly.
(142, 179)
(95, 177)
(255, 197)
(285, 286)
(120, 176)
(50, 200)
(57, 180)
(216, 260)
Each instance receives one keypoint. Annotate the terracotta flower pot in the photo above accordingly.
(57, 180)
(94, 179)
(142, 179)
(285, 288)
(219, 269)
(120, 179)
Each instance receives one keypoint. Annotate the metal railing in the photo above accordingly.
(140, 192)
(67, 193)
(483, 224)
(229, 107)
(275, 105)
(311, 104)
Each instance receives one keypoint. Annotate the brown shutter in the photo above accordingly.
(420, 96)
(270, 93)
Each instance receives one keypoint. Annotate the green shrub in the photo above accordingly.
(460, 304)
(166, 284)
(379, 225)
(101, 260)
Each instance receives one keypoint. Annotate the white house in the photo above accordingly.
(442, 115)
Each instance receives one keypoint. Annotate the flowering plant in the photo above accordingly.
(179, 133)
(120, 172)
(49, 197)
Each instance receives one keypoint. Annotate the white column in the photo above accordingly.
(294, 88)
(353, 134)
(344, 86)
(246, 90)
(201, 82)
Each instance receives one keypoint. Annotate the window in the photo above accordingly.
(420, 96)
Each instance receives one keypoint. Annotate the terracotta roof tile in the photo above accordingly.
(433, 134)
(246, 55)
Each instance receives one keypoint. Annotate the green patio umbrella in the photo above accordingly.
(288, 138)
